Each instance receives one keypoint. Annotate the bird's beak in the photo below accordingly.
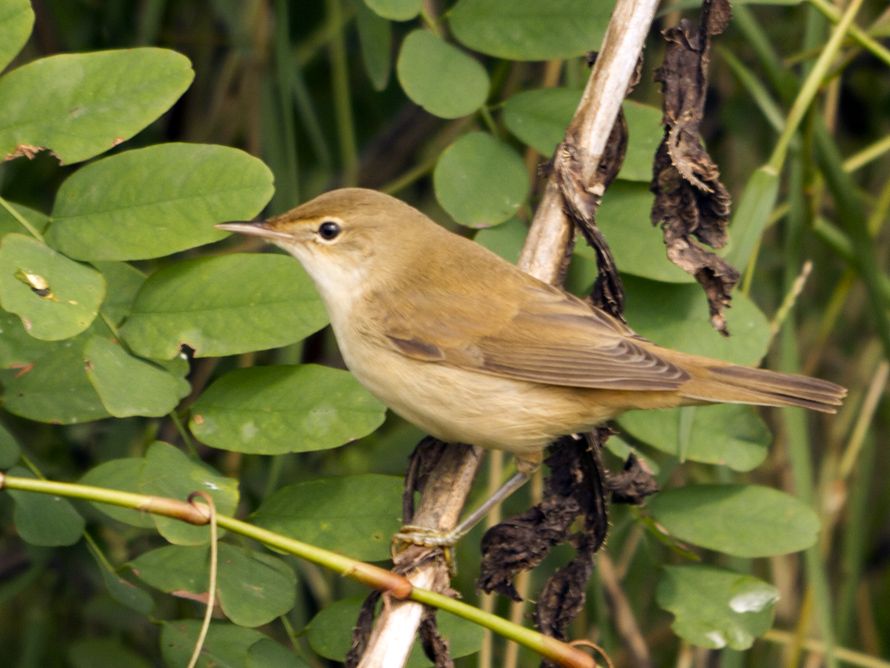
(257, 229)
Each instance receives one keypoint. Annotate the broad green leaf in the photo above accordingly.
(223, 305)
(276, 409)
(129, 386)
(751, 215)
(637, 245)
(254, 588)
(50, 383)
(8, 222)
(17, 348)
(123, 281)
(375, 39)
(540, 117)
(44, 519)
(330, 633)
(16, 21)
(266, 653)
(716, 608)
(156, 201)
(741, 520)
(730, 435)
(354, 515)
(531, 29)
(9, 449)
(480, 181)
(506, 239)
(440, 77)
(168, 472)
(676, 316)
(396, 10)
(226, 645)
(79, 105)
(55, 297)
(92, 652)
(123, 474)
(126, 593)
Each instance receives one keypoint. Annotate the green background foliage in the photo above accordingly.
(142, 350)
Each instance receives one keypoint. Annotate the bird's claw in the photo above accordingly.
(430, 538)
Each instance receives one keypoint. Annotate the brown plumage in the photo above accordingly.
(471, 349)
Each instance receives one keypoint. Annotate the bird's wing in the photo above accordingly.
(540, 334)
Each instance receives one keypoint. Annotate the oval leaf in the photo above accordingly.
(375, 39)
(531, 29)
(226, 645)
(82, 104)
(123, 474)
(741, 520)
(156, 201)
(169, 472)
(128, 386)
(730, 435)
(396, 10)
(480, 181)
(16, 21)
(44, 519)
(277, 409)
(223, 305)
(440, 77)
(716, 608)
(55, 297)
(9, 449)
(354, 515)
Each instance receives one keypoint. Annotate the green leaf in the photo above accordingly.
(480, 181)
(531, 29)
(16, 21)
(506, 239)
(330, 633)
(168, 472)
(43, 519)
(55, 297)
(267, 653)
(50, 383)
(123, 281)
(226, 645)
(440, 77)
(156, 201)
(10, 452)
(716, 608)
(396, 10)
(8, 222)
(676, 316)
(224, 305)
(730, 435)
(741, 520)
(354, 515)
(126, 593)
(751, 215)
(644, 133)
(92, 652)
(121, 474)
(82, 104)
(375, 39)
(129, 386)
(254, 588)
(276, 409)
(638, 247)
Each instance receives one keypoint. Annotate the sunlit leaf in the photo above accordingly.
(16, 21)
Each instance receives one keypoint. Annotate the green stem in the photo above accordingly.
(21, 219)
(342, 96)
(874, 47)
(364, 573)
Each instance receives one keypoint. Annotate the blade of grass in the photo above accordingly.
(287, 192)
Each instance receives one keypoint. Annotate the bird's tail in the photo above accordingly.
(743, 385)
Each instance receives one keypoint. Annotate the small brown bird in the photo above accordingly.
(471, 349)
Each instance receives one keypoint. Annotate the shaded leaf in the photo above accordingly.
(44, 519)
(16, 21)
(396, 10)
(9, 449)
(278, 409)
(375, 39)
(223, 305)
(716, 608)
(169, 472)
(506, 239)
(440, 77)
(225, 647)
(126, 593)
(123, 474)
(529, 29)
(123, 281)
(128, 386)
(730, 434)
(157, 200)
(266, 653)
(79, 105)
(92, 652)
(741, 520)
(55, 297)
(480, 181)
(354, 515)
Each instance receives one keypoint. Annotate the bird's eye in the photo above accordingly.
(329, 230)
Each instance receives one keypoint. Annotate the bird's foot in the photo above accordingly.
(426, 537)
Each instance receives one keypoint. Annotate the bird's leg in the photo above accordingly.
(425, 537)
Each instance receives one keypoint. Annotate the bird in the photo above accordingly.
(471, 349)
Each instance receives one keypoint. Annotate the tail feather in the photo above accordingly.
(738, 384)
